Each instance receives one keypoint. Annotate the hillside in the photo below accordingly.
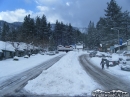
(11, 25)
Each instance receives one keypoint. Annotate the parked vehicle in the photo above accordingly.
(56, 51)
(103, 54)
(93, 54)
(125, 61)
(99, 55)
(125, 67)
(50, 53)
(113, 62)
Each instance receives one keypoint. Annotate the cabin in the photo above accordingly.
(79, 46)
(7, 49)
(64, 48)
(20, 49)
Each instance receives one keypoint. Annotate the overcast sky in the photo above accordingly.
(76, 12)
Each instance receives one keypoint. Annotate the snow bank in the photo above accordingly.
(66, 77)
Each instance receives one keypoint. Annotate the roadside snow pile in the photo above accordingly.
(65, 78)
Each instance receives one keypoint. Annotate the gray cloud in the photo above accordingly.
(80, 12)
(77, 12)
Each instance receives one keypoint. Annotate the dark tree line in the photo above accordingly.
(40, 33)
(66, 34)
(106, 30)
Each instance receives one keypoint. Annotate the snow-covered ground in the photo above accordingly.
(9, 67)
(66, 77)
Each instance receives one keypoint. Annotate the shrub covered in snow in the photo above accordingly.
(33, 54)
(26, 56)
(42, 53)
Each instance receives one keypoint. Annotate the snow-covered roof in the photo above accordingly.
(22, 46)
(115, 46)
(79, 46)
(11, 46)
(6, 46)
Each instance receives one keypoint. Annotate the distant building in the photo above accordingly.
(64, 48)
(79, 46)
(9, 49)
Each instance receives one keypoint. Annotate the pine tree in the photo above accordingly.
(113, 14)
(125, 25)
(113, 19)
(28, 28)
(91, 35)
(70, 35)
(5, 32)
(102, 29)
(44, 29)
(57, 33)
(38, 30)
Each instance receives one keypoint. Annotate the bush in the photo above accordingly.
(33, 54)
(26, 56)
(42, 53)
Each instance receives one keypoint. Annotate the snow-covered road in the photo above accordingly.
(16, 83)
(105, 79)
(9, 67)
(65, 78)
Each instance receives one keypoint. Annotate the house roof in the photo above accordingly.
(79, 46)
(22, 46)
(123, 44)
(9, 46)
(6, 46)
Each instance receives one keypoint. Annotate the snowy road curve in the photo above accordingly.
(13, 85)
(106, 80)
